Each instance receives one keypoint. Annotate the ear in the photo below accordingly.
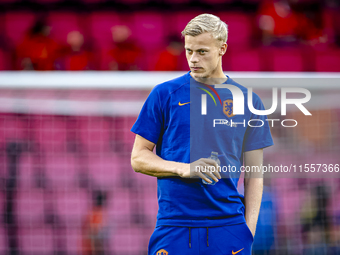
(223, 49)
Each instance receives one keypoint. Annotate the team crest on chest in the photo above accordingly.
(162, 252)
(228, 107)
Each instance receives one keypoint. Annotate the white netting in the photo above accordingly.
(65, 145)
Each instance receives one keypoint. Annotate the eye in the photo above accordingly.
(202, 51)
(189, 51)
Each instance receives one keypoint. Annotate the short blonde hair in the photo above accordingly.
(207, 23)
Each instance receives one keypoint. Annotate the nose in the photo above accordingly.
(194, 58)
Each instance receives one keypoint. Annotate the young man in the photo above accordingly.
(195, 217)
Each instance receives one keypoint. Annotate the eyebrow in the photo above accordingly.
(206, 49)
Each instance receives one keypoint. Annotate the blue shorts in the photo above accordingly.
(224, 240)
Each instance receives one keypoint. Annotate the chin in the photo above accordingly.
(200, 75)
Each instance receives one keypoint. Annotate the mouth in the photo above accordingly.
(194, 68)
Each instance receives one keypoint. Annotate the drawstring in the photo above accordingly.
(207, 236)
(190, 237)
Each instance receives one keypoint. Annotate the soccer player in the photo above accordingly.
(196, 217)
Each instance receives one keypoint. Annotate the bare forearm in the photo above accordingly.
(253, 188)
(147, 162)
(143, 160)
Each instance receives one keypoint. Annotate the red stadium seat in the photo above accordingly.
(122, 126)
(150, 201)
(30, 207)
(2, 24)
(72, 206)
(62, 23)
(149, 59)
(103, 58)
(100, 27)
(289, 201)
(12, 128)
(73, 238)
(119, 206)
(239, 27)
(2, 207)
(334, 207)
(17, 25)
(287, 60)
(329, 26)
(26, 174)
(94, 134)
(5, 60)
(3, 166)
(50, 132)
(147, 28)
(328, 61)
(129, 240)
(3, 239)
(37, 240)
(245, 61)
(104, 169)
(61, 170)
(146, 181)
(183, 66)
(336, 22)
(176, 22)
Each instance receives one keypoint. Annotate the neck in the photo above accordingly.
(217, 77)
(211, 81)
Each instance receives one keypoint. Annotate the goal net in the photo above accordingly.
(67, 186)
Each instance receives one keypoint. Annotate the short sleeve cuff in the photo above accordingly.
(145, 134)
(259, 145)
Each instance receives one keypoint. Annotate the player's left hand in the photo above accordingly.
(205, 167)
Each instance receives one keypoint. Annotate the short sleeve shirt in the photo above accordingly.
(172, 119)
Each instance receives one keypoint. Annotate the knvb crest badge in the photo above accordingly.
(162, 252)
(228, 108)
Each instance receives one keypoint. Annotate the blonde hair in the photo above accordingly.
(207, 23)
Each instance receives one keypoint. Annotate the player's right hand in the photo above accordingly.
(202, 168)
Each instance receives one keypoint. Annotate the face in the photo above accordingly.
(75, 39)
(120, 33)
(204, 54)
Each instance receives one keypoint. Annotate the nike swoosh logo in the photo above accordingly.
(235, 252)
(181, 104)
